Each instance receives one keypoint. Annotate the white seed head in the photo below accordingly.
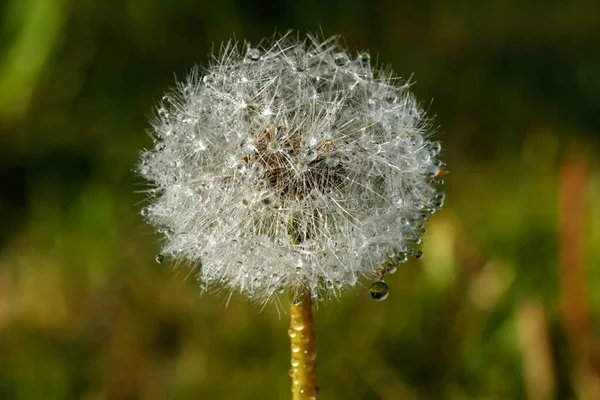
(293, 165)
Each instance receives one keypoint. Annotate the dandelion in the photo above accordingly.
(292, 166)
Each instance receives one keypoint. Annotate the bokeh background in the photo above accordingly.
(504, 305)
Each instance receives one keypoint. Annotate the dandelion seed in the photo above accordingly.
(298, 158)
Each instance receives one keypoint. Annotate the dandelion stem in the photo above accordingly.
(303, 348)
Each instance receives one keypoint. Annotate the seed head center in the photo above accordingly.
(290, 167)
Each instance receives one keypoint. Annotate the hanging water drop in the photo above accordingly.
(400, 258)
(419, 255)
(365, 59)
(379, 290)
(145, 212)
(390, 266)
(160, 258)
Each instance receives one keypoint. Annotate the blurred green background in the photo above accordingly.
(504, 305)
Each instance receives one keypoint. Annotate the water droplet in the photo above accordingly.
(391, 98)
(340, 59)
(273, 146)
(419, 255)
(400, 258)
(249, 148)
(432, 172)
(350, 278)
(203, 285)
(329, 284)
(332, 161)
(299, 66)
(391, 268)
(435, 147)
(297, 302)
(365, 59)
(310, 155)
(253, 54)
(145, 212)
(160, 258)
(417, 140)
(379, 290)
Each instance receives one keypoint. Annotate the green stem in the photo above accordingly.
(303, 348)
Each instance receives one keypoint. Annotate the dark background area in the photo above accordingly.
(504, 305)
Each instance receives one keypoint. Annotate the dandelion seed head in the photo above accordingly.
(292, 165)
